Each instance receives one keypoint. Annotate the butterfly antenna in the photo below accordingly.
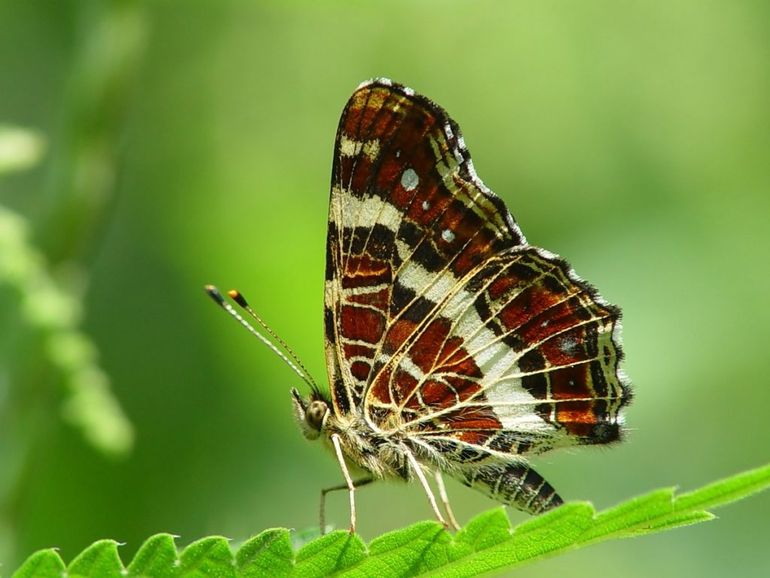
(238, 297)
(291, 360)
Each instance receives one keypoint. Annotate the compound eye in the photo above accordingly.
(315, 414)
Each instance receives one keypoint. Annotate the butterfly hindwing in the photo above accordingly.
(526, 348)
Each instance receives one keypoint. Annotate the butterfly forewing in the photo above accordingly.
(404, 206)
(443, 325)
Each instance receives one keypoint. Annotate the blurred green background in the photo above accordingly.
(187, 142)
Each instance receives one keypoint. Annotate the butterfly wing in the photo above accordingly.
(522, 347)
(524, 358)
(407, 218)
(444, 327)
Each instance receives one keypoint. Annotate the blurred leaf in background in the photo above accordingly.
(20, 149)
(190, 142)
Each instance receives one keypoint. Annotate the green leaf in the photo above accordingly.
(210, 556)
(329, 554)
(486, 544)
(628, 515)
(552, 531)
(99, 560)
(725, 491)
(677, 521)
(267, 554)
(485, 530)
(157, 557)
(406, 552)
(54, 313)
(19, 148)
(42, 563)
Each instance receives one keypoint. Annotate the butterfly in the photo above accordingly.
(452, 345)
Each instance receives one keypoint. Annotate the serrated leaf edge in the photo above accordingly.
(656, 511)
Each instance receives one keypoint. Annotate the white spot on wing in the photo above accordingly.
(371, 210)
(447, 235)
(409, 180)
(350, 147)
(568, 345)
(372, 149)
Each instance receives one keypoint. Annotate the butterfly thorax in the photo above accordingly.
(383, 454)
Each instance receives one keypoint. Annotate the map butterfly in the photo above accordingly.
(452, 345)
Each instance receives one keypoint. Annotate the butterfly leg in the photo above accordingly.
(356, 483)
(348, 480)
(421, 476)
(445, 501)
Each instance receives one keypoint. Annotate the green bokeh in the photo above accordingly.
(630, 137)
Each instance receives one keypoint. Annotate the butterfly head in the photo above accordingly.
(311, 413)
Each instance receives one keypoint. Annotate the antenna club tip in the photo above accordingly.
(214, 293)
(236, 296)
